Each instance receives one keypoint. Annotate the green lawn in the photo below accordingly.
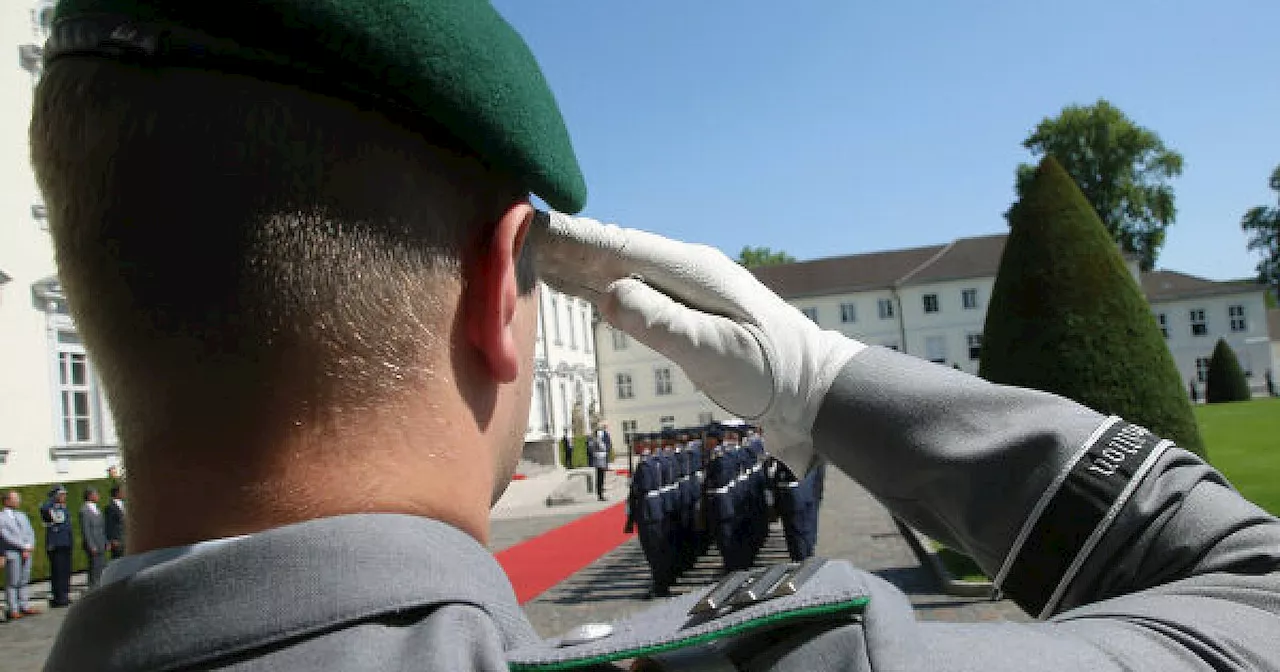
(1243, 441)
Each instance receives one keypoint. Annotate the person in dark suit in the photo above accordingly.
(115, 522)
(566, 447)
(93, 536)
(57, 544)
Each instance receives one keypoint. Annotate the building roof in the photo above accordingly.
(857, 272)
(963, 258)
(1169, 285)
(1273, 323)
(977, 257)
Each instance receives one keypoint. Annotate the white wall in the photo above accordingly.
(1252, 346)
(564, 365)
(867, 325)
(686, 406)
(29, 418)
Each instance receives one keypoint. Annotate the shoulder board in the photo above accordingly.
(745, 603)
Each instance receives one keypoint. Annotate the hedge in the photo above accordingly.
(1066, 316)
(33, 496)
(580, 457)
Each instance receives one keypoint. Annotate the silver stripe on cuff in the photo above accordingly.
(1029, 524)
(1103, 525)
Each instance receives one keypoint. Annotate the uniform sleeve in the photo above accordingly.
(1124, 541)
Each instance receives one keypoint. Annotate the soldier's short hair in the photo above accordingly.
(229, 244)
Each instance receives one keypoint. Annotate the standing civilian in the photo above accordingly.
(57, 544)
(18, 541)
(600, 460)
(115, 522)
(93, 536)
(566, 447)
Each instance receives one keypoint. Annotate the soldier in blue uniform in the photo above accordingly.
(646, 515)
(57, 537)
(722, 477)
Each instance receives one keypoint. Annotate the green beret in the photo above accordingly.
(455, 65)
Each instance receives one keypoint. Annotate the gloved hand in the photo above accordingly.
(748, 350)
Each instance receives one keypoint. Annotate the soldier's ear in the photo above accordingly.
(492, 293)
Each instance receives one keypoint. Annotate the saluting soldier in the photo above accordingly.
(356, 175)
(58, 544)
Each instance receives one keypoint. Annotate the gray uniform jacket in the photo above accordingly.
(16, 533)
(93, 528)
(1138, 555)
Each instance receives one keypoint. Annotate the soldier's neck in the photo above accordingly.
(434, 466)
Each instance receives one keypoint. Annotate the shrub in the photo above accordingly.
(1067, 317)
(1226, 380)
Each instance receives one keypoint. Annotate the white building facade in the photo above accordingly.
(1194, 313)
(643, 391)
(54, 421)
(931, 302)
(566, 390)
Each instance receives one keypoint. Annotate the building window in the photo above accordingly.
(848, 313)
(573, 324)
(885, 306)
(935, 348)
(564, 404)
(75, 390)
(930, 303)
(662, 381)
(1163, 320)
(1202, 369)
(555, 319)
(628, 429)
(540, 327)
(619, 339)
(667, 422)
(969, 298)
(543, 399)
(811, 313)
(705, 418)
(625, 391)
(587, 336)
(1199, 327)
(975, 346)
(1236, 313)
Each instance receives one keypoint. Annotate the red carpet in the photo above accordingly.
(539, 563)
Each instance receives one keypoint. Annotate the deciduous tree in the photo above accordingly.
(1263, 226)
(1122, 168)
(752, 257)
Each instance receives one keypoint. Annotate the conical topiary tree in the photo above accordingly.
(1226, 380)
(1067, 317)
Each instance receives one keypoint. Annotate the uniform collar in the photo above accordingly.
(289, 582)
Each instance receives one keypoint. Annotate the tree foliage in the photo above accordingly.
(752, 257)
(1067, 317)
(1226, 381)
(1262, 224)
(1123, 169)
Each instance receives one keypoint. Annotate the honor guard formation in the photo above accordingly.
(716, 485)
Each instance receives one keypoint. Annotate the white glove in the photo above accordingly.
(748, 350)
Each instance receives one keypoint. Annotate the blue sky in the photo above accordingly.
(827, 127)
